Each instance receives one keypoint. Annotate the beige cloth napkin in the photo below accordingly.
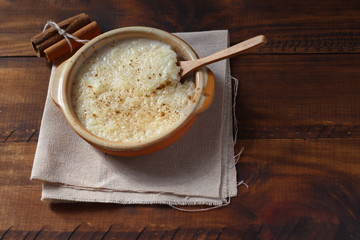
(197, 169)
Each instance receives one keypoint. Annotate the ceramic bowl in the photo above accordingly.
(65, 73)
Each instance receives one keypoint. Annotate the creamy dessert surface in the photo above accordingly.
(130, 91)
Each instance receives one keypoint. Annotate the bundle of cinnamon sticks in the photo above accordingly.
(51, 45)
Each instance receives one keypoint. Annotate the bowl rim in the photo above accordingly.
(133, 145)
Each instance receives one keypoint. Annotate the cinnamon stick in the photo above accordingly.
(62, 47)
(49, 37)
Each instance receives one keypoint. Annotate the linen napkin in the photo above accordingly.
(197, 169)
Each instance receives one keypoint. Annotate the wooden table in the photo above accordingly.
(298, 107)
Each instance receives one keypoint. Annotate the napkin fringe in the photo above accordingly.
(73, 187)
(173, 204)
(235, 121)
(169, 203)
(224, 204)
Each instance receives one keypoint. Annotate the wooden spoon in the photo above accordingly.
(189, 66)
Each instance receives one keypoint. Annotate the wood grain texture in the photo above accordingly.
(24, 84)
(298, 110)
(289, 196)
(125, 233)
(292, 27)
(307, 96)
(279, 96)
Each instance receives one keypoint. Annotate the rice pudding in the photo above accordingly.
(130, 91)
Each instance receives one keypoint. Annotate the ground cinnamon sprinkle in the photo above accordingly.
(136, 91)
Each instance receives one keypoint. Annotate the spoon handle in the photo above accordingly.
(188, 66)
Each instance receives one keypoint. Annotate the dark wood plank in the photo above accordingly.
(296, 188)
(124, 233)
(199, 233)
(307, 96)
(19, 135)
(24, 86)
(292, 27)
(317, 179)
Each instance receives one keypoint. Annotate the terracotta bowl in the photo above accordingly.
(65, 73)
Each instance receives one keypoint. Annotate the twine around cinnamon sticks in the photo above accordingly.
(51, 45)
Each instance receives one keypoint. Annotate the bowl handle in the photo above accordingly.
(208, 92)
(56, 84)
